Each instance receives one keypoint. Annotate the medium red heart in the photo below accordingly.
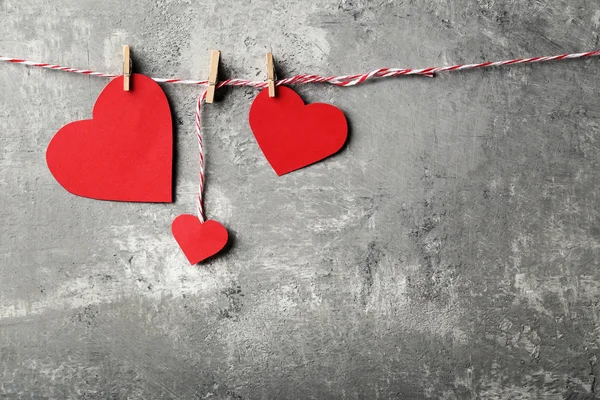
(125, 152)
(292, 135)
(198, 240)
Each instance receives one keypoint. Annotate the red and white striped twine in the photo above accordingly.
(201, 215)
(344, 80)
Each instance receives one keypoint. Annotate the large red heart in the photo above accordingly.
(198, 240)
(292, 135)
(125, 152)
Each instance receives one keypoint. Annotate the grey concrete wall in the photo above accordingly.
(450, 251)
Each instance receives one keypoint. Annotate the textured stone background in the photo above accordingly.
(450, 251)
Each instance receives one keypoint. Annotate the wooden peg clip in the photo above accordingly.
(271, 76)
(126, 68)
(213, 73)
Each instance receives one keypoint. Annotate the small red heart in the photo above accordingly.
(292, 135)
(198, 240)
(125, 152)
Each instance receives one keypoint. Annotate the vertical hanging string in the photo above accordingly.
(201, 215)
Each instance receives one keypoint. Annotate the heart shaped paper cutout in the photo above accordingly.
(292, 135)
(198, 240)
(125, 152)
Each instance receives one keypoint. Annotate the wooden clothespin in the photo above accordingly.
(271, 76)
(213, 73)
(126, 68)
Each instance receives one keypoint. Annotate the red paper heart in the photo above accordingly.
(125, 152)
(292, 135)
(198, 240)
